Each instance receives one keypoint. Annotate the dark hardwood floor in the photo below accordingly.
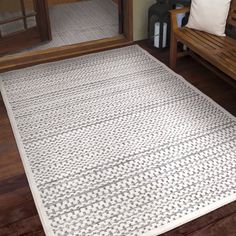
(18, 215)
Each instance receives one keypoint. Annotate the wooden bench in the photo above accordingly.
(217, 53)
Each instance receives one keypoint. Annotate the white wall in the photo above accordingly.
(140, 8)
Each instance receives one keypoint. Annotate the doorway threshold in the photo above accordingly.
(26, 59)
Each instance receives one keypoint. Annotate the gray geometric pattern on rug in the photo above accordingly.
(118, 144)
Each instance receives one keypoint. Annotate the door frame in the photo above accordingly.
(28, 36)
(22, 60)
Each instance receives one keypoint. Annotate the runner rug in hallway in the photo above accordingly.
(115, 143)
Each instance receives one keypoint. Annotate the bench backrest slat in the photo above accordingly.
(232, 14)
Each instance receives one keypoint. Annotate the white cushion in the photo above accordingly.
(209, 16)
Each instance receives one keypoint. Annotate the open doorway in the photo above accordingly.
(68, 22)
(78, 21)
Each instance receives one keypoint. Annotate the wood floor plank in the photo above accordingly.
(12, 169)
(30, 226)
(12, 184)
(226, 226)
(19, 213)
(12, 199)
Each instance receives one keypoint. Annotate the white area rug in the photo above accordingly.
(116, 144)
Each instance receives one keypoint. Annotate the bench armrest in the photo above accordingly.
(179, 11)
(174, 13)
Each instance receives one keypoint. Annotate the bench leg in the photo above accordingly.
(173, 52)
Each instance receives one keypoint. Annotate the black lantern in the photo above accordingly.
(159, 24)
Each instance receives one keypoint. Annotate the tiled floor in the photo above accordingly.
(82, 21)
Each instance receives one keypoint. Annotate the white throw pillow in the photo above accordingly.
(209, 16)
